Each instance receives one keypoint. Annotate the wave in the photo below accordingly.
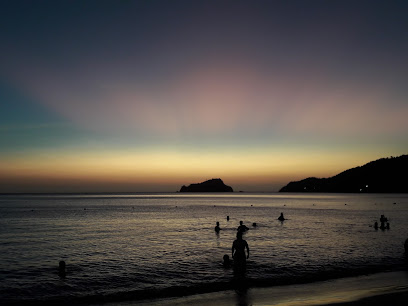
(280, 277)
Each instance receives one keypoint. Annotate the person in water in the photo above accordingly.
(238, 250)
(383, 219)
(281, 217)
(226, 261)
(242, 228)
(217, 227)
(61, 269)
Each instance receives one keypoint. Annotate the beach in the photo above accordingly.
(388, 288)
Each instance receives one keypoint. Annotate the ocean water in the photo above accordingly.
(132, 247)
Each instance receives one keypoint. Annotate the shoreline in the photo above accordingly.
(373, 289)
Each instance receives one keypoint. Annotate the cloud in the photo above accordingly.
(215, 96)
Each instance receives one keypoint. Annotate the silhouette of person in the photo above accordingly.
(217, 227)
(383, 219)
(376, 225)
(238, 251)
(281, 217)
(226, 261)
(242, 228)
(61, 269)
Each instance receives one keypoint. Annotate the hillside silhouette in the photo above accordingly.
(385, 175)
(214, 185)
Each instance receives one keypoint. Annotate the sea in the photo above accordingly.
(142, 247)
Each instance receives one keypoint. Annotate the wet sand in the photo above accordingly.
(389, 288)
(395, 299)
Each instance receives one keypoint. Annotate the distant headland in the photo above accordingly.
(214, 185)
(385, 175)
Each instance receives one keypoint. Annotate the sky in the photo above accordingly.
(134, 96)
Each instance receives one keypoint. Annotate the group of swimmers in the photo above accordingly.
(239, 245)
(243, 228)
(383, 225)
(238, 249)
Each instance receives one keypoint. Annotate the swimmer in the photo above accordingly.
(226, 261)
(281, 217)
(242, 228)
(61, 269)
(217, 227)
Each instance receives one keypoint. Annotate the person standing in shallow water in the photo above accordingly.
(238, 250)
(217, 227)
(242, 228)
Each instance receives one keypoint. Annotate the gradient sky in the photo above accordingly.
(104, 96)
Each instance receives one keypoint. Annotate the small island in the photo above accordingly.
(213, 185)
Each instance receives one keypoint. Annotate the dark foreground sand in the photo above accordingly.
(397, 298)
(389, 288)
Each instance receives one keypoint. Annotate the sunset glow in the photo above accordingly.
(120, 96)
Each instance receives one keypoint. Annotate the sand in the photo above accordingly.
(389, 288)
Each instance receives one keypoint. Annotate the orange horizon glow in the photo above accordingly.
(168, 171)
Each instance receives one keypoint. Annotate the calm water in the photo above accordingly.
(131, 247)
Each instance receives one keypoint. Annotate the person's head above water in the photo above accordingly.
(226, 261)
(61, 268)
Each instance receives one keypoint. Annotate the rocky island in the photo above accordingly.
(385, 175)
(214, 185)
